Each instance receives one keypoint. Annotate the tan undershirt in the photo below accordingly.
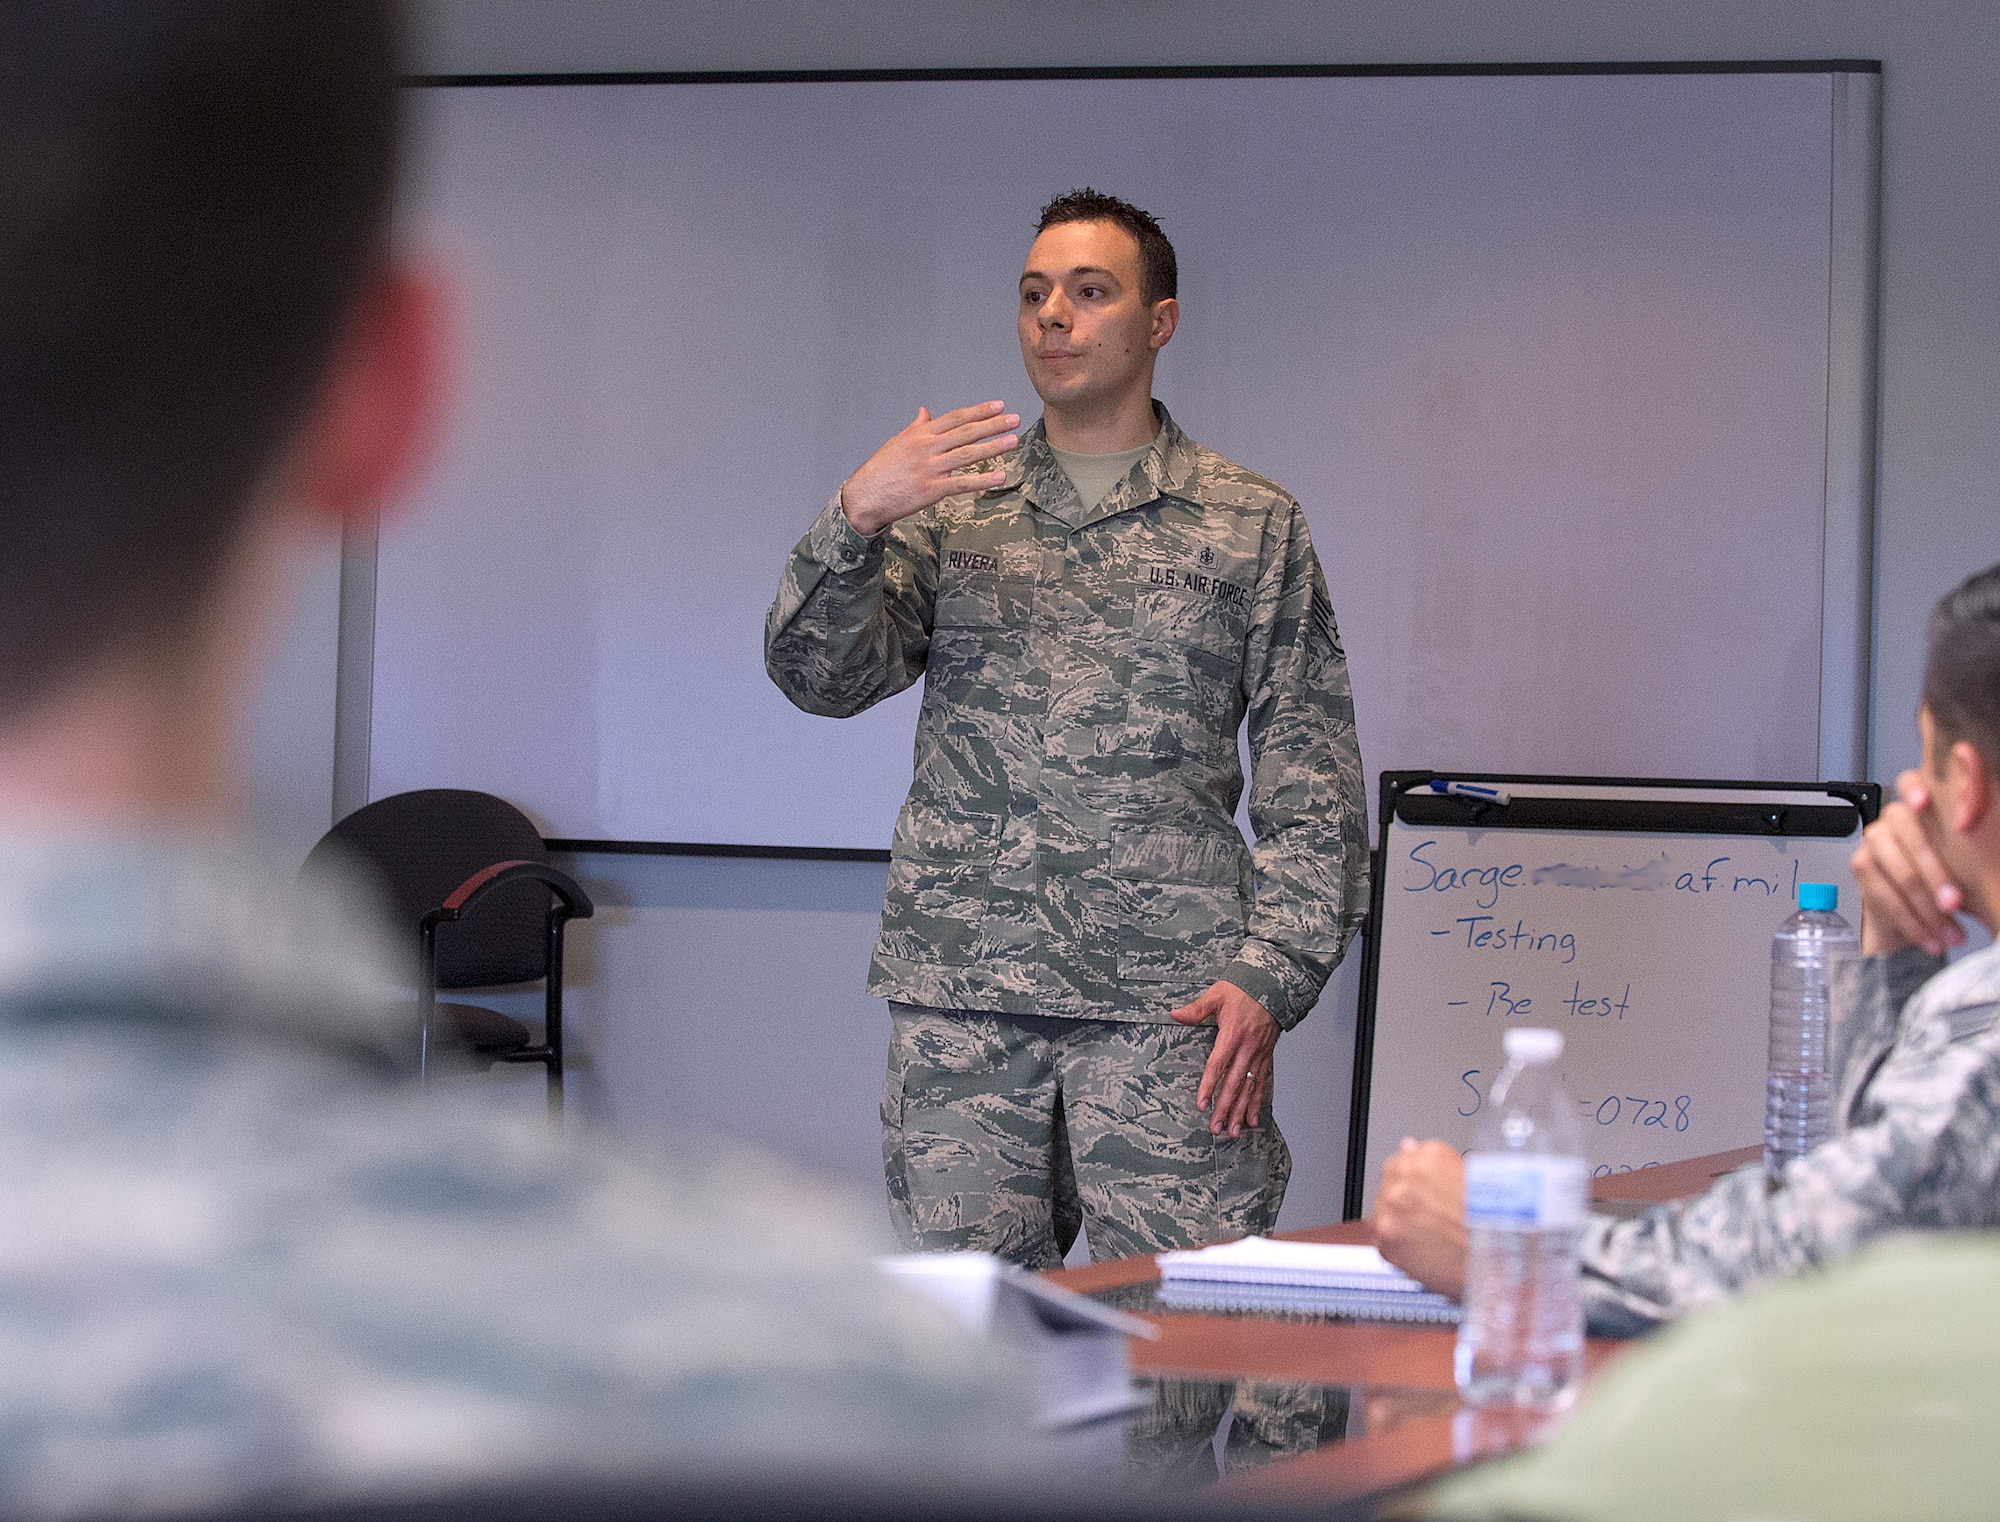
(1093, 475)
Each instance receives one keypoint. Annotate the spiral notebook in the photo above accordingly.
(1325, 1278)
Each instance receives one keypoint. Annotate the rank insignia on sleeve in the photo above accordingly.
(1322, 616)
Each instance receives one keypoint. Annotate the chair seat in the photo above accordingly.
(484, 1032)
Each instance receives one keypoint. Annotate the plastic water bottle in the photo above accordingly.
(1521, 1342)
(1798, 1097)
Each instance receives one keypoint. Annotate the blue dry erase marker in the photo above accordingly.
(1470, 790)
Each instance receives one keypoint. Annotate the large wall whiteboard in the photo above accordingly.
(1649, 949)
(1547, 358)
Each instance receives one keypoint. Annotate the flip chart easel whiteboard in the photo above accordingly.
(1634, 917)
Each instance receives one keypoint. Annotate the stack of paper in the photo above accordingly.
(1075, 1348)
(1336, 1279)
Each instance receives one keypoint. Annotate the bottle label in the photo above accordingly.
(1525, 1192)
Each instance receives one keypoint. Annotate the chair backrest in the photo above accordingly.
(420, 846)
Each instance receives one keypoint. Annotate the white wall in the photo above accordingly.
(727, 993)
(289, 746)
(1941, 206)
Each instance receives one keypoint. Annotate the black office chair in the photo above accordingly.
(440, 854)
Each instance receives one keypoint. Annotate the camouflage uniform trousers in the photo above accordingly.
(1001, 1133)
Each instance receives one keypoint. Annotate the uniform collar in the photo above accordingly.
(1167, 471)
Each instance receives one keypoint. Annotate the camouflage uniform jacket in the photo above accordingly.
(1916, 1074)
(246, 1264)
(1069, 845)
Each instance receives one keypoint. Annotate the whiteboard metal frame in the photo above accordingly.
(1719, 819)
(1853, 403)
(1859, 66)
(1848, 558)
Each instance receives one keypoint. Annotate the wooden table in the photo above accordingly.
(1385, 1357)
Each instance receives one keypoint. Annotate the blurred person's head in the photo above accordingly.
(207, 349)
(1960, 725)
(1962, 668)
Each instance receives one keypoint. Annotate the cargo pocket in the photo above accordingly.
(940, 875)
(1179, 901)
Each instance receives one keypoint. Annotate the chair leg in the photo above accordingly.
(552, 1026)
(426, 996)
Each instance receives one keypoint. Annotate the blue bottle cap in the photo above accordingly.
(1819, 895)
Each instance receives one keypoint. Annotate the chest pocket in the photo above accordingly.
(981, 600)
(976, 632)
(985, 580)
(1191, 621)
(1187, 654)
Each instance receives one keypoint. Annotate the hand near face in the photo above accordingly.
(925, 463)
(1420, 1215)
(1238, 1074)
(1908, 897)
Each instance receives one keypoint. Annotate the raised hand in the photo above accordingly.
(1238, 1073)
(1907, 895)
(925, 463)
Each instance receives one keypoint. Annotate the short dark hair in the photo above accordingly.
(1159, 272)
(1962, 670)
(191, 194)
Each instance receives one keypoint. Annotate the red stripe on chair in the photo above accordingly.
(478, 880)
